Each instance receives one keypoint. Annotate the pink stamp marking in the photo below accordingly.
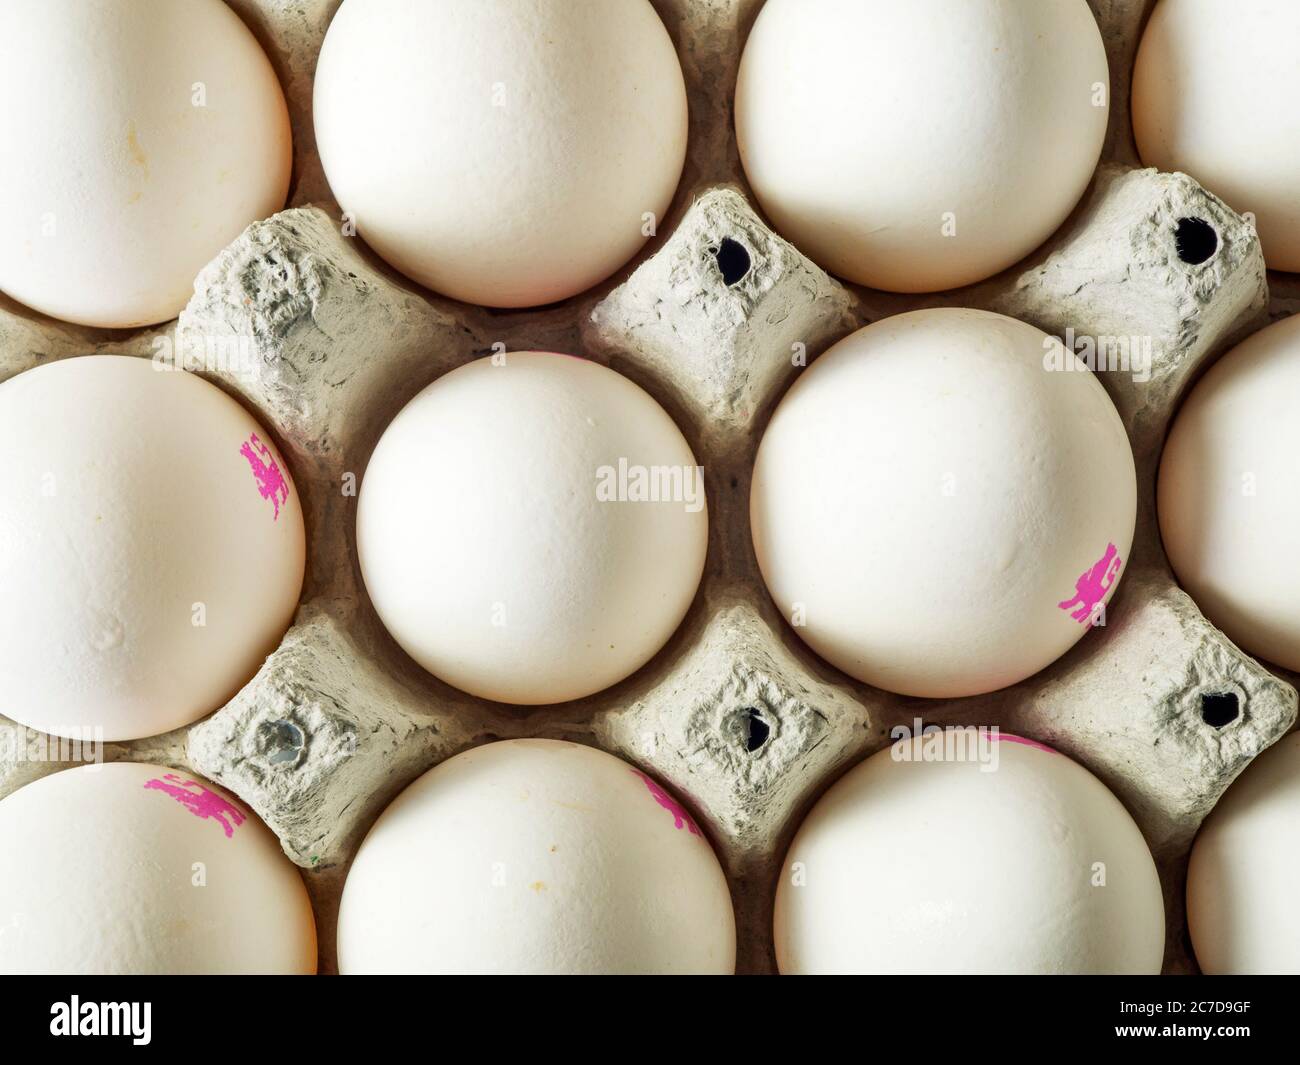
(1006, 737)
(1092, 586)
(681, 819)
(270, 481)
(200, 801)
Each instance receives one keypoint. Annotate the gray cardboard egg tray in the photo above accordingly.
(734, 713)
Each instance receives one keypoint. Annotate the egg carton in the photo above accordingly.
(713, 320)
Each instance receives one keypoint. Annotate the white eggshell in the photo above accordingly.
(486, 544)
(1023, 864)
(138, 869)
(937, 513)
(1214, 91)
(503, 152)
(1229, 494)
(148, 136)
(1245, 865)
(536, 856)
(923, 145)
(151, 547)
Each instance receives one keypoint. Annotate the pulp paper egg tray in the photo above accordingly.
(326, 344)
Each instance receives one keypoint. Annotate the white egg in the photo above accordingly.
(1000, 856)
(536, 856)
(503, 152)
(151, 547)
(1241, 881)
(1214, 88)
(1229, 494)
(131, 869)
(935, 511)
(924, 145)
(532, 532)
(149, 135)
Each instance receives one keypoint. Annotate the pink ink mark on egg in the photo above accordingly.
(1006, 737)
(681, 819)
(270, 481)
(1093, 584)
(200, 801)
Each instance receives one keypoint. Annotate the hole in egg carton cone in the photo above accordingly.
(733, 260)
(1219, 709)
(1196, 240)
(757, 730)
(281, 741)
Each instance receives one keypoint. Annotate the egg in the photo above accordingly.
(944, 502)
(130, 869)
(1241, 880)
(151, 133)
(503, 152)
(1212, 91)
(1228, 495)
(151, 547)
(536, 857)
(993, 856)
(532, 530)
(924, 145)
